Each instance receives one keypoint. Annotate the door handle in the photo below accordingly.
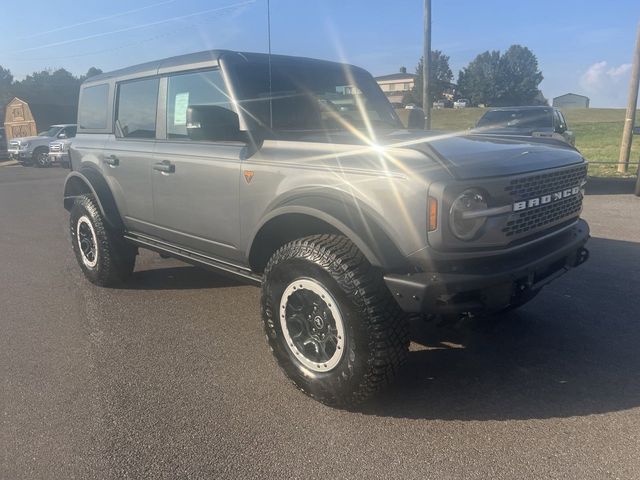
(112, 161)
(165, 167)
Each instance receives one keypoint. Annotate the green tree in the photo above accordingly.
(501, 80)
(480, 81)
(6, 80)
(521, 76)
(440, 78)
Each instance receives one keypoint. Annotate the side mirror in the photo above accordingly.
(62, 135)
(561, 128)
(211, 122)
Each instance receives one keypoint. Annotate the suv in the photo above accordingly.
(540, 121)
(297, 175)
(35, 150)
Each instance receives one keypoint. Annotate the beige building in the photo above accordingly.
(397, 84)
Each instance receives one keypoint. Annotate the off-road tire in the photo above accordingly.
(375, 328)
(115, 258)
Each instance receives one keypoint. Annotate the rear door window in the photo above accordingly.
(136, 109)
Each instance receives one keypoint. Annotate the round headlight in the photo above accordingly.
(465, 217)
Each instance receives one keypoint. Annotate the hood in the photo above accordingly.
(468, 156)
(478, 156)
(524, 131)
(26, 139)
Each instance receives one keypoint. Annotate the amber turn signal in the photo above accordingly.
(433, 214)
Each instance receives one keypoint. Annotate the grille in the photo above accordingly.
(539, 217)
(55, 147)
(14, 144)
(543, 184)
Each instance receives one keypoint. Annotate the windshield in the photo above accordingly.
(312, 96)
(526, 118)
(52, 132)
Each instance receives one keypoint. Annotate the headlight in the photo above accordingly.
(466, 217)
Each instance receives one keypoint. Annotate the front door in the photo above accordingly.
(196, 180)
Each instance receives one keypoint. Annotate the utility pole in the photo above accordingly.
(630, 117)
(426, 65)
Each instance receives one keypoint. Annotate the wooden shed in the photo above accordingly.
(18, 120)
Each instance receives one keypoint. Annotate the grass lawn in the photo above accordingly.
(598, 133)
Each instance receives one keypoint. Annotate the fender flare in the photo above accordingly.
(345, 214)
(90, 180)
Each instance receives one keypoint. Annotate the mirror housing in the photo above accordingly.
(213, 123)
(561, 128)
(62, 135)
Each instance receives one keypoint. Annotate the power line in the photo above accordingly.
(95, 20)
(132, 44)
(135, 27)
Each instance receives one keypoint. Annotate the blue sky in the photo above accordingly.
(582, 46)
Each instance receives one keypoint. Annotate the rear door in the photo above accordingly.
(129, 152)
(196, 181)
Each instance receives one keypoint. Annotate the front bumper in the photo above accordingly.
(58, 157)
(490, 285)
(19, 154)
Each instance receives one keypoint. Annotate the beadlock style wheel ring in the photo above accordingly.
(312, 325)
(87, 242)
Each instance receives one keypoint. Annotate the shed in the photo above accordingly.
(571, 100)
(18, 120)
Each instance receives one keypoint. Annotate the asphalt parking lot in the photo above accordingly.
(170, 376)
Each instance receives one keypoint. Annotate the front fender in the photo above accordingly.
(346, 214)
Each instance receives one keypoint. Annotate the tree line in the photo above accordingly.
(49, 87)
(492, 78)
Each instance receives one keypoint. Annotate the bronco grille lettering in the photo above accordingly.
(544, 200)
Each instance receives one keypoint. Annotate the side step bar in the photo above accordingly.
(195, 258)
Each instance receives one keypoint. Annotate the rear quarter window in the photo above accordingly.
(92, 111)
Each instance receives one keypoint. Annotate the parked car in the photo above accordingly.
(3, 144)
(240, 162)
(442, 103)
(461, 103)
(537, 121)
(59, 153)
(35, 150)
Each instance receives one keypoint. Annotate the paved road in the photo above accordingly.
(170, 377)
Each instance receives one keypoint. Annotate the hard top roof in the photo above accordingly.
(191, 61)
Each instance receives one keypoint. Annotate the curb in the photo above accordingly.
(8, 163)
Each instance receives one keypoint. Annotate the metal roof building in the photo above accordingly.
(571, 100)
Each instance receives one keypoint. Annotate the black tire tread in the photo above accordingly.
(117, 259)
(363, 284)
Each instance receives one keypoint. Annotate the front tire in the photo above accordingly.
(103, 255)
(40, 158)
(330, 320)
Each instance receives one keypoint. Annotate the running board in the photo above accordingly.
(194, 258)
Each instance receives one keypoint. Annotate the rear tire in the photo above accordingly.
(330, 320)
(103, 255)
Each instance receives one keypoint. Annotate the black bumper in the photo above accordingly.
(493, 284)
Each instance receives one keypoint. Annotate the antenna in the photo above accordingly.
(270, 90)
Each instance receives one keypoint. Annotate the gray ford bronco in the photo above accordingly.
(297, 175)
